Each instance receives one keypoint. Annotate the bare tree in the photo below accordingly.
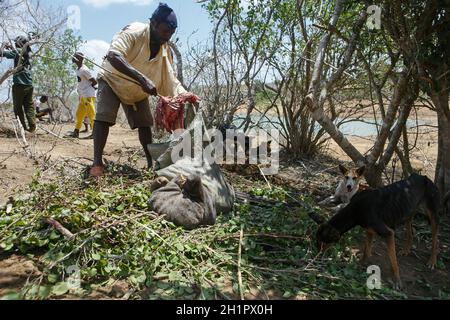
(405, 92)
(421, 34)
(27, 17)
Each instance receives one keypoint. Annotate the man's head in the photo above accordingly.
(20, 41)
(43, 99)
(163, 23)
(78, 58)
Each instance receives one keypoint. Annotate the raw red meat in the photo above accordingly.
(170, 111)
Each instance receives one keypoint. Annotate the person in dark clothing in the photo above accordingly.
(22, 90)
(42, 112)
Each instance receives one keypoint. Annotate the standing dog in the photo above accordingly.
(347, 188)
(380, 211)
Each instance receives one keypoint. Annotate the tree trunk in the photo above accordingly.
(442, 175)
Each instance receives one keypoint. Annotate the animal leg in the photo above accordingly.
(434, 248)
(370, 234)
(328, 201)
(390, 241)
(408, 239)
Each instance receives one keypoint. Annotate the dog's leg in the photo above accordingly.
(434, 248)
(328, 201)
(370, 234)
(408, 239)
(390, 241)
(338, 207)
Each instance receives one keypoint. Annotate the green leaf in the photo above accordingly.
(92, 272)
(44, 291)
(96, 256)
(12, 296)
(52, 278)
(163, 285)
(54, 235)
(6, 245)
(173, 276)
(60, 288)
(137, 278)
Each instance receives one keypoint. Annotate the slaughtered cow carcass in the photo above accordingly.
(170, 111)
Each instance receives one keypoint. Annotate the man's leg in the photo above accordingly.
(145, 137)
(18, 94)
(107, 108)
(86, 129)
(79, 117)
(90, 110)
(100, 133)
(28, 105)
(140, 117)
(49, 111)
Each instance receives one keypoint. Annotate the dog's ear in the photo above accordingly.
(360, 171)
(343, 169)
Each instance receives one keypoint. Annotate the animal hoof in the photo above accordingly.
(432, 264)
(398, 285)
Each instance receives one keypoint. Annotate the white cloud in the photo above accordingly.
(105, 3)
(95, 50)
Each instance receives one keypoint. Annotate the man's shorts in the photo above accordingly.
(108, 105)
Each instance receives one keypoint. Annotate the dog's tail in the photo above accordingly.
(433, 198)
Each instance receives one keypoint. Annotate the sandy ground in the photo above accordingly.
(423, 157)
(16, 169)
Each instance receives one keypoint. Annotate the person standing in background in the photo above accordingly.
(22, 89)
(86, 93)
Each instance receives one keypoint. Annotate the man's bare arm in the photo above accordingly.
(121, 65)
(8, 54)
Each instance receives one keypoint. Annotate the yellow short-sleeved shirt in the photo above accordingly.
(133, 43)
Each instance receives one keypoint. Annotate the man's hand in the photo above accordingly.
(7, 46)
(148, 86)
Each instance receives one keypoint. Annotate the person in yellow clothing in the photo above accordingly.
(138, 65)
(86, 93)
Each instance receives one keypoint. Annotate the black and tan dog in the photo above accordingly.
(380, 211)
